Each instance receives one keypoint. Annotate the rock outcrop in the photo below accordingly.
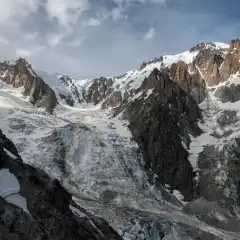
(228, 93)
(99, 90)
(35, 207)
(69, 83)
(21, 74)
(208, 63)
(231, 64)
(192, 83)
(160, 122)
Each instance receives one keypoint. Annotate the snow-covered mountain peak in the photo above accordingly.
(210, 45)
(187, 56)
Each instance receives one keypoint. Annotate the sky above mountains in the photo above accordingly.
(91, 38)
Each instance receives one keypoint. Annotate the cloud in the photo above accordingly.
(31, 36)
(66, 12)
(23, 53)
(121, 6)
(76, 42)
(150, 34)
(54, 39)
(93, 22)
(26, 53)
(13, 10)
(58, 35)
(3, 40)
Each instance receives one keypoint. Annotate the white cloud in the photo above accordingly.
(76, 42)
(15, 10)
(93, 22)
(25, 53)
(54, 39)
(31, 36)
(65, 11)
(3, 40)
(122, 2)
(150, 34)
(118, 12)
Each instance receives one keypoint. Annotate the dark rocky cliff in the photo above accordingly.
(161, 124)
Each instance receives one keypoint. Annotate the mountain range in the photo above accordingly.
(151, 154)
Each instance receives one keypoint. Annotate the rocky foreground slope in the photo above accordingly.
(34, 206)
(155, 151)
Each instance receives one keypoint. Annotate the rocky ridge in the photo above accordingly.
(20, 74)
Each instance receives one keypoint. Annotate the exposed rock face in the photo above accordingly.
(51, 212)
(143, 65)
(212, 213)
(113, 101)
(220, 175)
(227, 117)
(160, 123)
(20, 74)
(228, 93)
(217, 65)
(207, 45)
(99, 90)
(68, 82)
(68, 99)
(231, 64)
(190, 83)
(208, 64)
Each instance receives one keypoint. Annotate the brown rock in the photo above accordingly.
(231, 64)
(208, 63)
(191, 83)
(21, 74)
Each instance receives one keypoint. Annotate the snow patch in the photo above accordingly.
(186, 57)
(77, 212)
(149, 92)
(9, 189)
(18, 200)
(10, 154)
(8, 183)
(220, 45)
(178, 195)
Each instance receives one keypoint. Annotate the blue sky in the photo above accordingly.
(90, 38)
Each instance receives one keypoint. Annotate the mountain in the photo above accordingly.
(154, 152)
(20, 74)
